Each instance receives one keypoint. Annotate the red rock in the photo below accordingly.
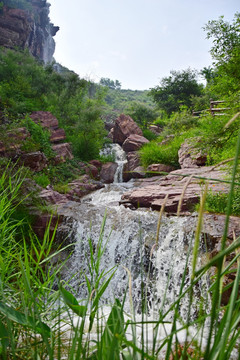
(155, 129)
(14, 139)
(63, 152)
(92, 171)
(158, 168)
(52, 197)
(189, 156)
(96, 163)
(36, 161)
(124, 126)
(45, 119)
(138, 173)
(30, 28)
(82, 186)
(107, 172)
(134, 142)
(57, 135)
(152, 191)
(133, 161)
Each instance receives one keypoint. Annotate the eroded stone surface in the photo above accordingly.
(152, 192)
(134, 142)
(123, 128)
(107, 172)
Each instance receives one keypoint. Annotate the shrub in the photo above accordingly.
(148, 134)
(154, 153)
(40, 136)
(42, 180)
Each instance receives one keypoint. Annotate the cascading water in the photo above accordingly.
(156, 269)
(119, 157)
(129, 238)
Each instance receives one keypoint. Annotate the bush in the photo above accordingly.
(217, 202)
(148, 134)
(154, 153)
(39, 136)
(42, 180)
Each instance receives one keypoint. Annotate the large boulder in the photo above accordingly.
(63, 152)
(81, 187)
(107, 172)
(49, 122)
(134, 142)
(133, 161)
(124, 126)
(52, 197)
(151, 192)
(36, 161)
(189, 156)
(45, 119)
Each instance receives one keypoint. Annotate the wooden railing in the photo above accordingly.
(214, 111)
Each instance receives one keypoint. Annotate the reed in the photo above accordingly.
(41, 318)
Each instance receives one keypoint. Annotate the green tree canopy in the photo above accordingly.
(225, 52)
(111, 84)
(176, 90)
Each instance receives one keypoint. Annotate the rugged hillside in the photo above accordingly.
(26, 24)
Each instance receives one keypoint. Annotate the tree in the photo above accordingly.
(225, 52)
(111, 84)
(143, 115)
(176, 90)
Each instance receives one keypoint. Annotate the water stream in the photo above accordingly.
(130, 247)
(147, 275)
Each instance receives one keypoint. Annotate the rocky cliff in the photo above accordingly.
(28, 27)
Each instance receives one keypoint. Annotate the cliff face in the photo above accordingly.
(28, 28)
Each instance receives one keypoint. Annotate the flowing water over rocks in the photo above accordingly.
(129, 238)
(148, 270)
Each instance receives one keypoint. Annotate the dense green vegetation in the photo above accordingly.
(27, 86)
(41, 319)
(179, 94)
(34, 305)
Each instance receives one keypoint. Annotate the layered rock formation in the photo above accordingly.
(176, 185)
(28, 28)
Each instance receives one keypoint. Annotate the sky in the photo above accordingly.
(137, 42)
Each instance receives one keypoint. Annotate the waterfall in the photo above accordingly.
(129, 238)
(119, 157)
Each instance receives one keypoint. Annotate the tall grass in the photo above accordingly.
(41, 318)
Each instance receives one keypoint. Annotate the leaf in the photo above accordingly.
(72, 302)
(24, 320)
(4, 337)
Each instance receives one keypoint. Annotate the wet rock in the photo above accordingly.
(158, 168)
(63, 152)
(93, 171)
(133, 161)
(138, 173)
(134, 142)
(46, 221)
(189, 156)
(107, 172)
(52, 197)
(152, 192)
(123, 128)
(82, 186)
(96, 163)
